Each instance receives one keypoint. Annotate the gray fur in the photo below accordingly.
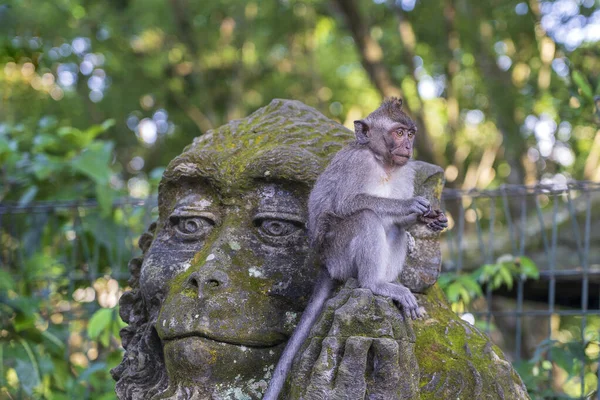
(359, 210)
(361, 235)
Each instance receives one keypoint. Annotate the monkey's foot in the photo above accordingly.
(409, 304)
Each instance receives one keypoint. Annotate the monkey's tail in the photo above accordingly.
(320, 294)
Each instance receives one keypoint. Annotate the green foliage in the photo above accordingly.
(104, 324)
(564, 358)
(503, 79)
(39, 160)
(38, 356)
(552, 357)
(53, 344)
(463, 288)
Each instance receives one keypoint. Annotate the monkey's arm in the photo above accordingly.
(385, 208)
(406, 221)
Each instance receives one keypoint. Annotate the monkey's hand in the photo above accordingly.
(435, 220)
(419, 205)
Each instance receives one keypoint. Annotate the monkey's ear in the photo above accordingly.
(361, 130)
(397, 102)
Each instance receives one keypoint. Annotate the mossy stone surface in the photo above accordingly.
(362, 348)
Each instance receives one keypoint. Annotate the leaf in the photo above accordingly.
(453, 292)
(99, 322)
(5, 149)
(53, 339)
(507, 277)
(93, 162)
(28, 196)
(528, 268)
(105, 337)
(108, 396)
(541, 348)
(29, 373)
(92, 369)
(563, 358)
(484, 273)
(41, 266)
(446, 278)
(105, 196)
(93, 131)
(582, 82)
(23, 322)
(6, 281)
(61, 375)
(45, 142)
(464, 294)
(45, 167)
(497, 281)
(472, 285)
(118, 324)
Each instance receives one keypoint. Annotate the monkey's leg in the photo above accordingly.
(372, 255)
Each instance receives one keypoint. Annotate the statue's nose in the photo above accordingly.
(204, 282)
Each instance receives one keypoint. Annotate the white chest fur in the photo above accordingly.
(395, 184)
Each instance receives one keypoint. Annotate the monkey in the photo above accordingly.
(358, 213)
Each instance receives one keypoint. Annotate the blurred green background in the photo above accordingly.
(96, 97)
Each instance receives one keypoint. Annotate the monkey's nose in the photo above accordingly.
(205, 283)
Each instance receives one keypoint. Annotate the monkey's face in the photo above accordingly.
(389, 132)
(390, 140)
(400, 140)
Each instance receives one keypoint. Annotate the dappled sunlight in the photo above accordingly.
(96, 99)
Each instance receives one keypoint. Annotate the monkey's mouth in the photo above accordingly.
(400, 153)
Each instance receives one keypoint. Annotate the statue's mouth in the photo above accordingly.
(246, 342)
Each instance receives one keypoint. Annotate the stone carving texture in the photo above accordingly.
(361, 348)
(224, 277)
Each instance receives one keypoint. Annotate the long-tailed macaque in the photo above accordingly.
(359, 210)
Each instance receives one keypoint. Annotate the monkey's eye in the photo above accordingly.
(400, 132)
(277, 227)
(411, 134)
(191, 227)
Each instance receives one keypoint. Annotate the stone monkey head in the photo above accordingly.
(223, 277)
(389, 132)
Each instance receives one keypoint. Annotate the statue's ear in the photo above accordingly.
(361, 130)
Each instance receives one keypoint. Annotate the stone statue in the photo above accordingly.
(224, 277)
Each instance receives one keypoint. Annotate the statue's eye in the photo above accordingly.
(191, 227)
(277, 227)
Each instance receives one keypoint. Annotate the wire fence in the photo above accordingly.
(559, 229)
(556, 227)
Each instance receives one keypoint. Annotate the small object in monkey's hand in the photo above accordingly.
(435, 220)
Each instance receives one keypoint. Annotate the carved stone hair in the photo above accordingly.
(142, 372)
